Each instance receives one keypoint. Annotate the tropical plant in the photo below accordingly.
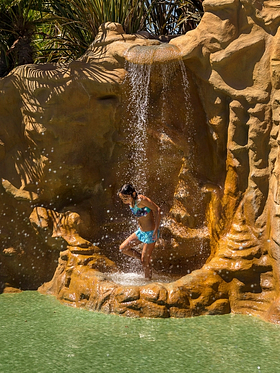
(190, 13)
(62, 30)
(18, 21)
(173, 17)
(73, 24)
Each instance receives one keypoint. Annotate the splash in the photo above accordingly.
(137, 279)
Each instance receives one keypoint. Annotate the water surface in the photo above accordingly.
(40, 335)
(137, 279)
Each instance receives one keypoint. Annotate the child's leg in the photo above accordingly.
(146, 259)
(126, 246)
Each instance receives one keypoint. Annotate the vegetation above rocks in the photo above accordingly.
(61, 30)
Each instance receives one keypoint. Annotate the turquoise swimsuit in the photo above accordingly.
(139, 211)
(145, 237)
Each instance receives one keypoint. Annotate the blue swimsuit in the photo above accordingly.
(145, 237)
(139, 211)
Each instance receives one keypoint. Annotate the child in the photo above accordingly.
(148, 215)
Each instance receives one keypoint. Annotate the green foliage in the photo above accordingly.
(73, 24)
(62, 30)
(174, 17)
(18, 20)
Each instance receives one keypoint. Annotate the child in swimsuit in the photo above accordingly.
(148, 215)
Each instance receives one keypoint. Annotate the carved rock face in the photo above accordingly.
(213, 167)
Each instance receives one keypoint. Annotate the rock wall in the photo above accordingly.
(233, 54)
(65, 148)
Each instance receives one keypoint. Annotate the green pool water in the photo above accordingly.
(38, 334)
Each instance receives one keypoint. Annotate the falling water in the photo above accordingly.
(140, 68)
(138, 77)
(168, 71)
(145, 76)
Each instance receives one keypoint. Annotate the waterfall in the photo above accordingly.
(138, 77)
(141, 71)
(150, 128)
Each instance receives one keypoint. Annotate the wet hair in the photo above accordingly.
(128, 190)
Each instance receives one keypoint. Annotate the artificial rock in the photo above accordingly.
(210, 138)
